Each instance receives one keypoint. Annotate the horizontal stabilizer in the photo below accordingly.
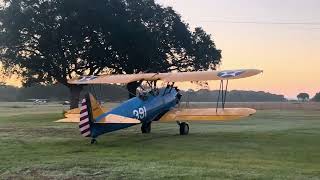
(116, 119)
(73, 115)
(68, 120)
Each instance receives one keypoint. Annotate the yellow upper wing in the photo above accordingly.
(167, 77)
(209, 114)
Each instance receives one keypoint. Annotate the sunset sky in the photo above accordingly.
(280, 37)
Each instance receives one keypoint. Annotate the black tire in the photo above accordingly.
(184, 128)
(146, 128)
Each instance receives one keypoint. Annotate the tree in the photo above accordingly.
(49, 41)
(303, 97)
(2, 76)
(316, 97)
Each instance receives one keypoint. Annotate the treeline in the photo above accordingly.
(118, 93)
(232, 96)
(59, 92)
(316, 97)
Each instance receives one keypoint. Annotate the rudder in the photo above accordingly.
(84, 123)
(90, 109)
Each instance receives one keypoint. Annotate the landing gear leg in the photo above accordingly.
(146, 128)
(94, 141)
(184, 128)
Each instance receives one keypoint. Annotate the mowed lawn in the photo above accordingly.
(269, 145)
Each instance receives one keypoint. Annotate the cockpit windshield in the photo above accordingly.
(144, 92)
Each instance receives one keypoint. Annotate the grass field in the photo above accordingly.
(270, 145)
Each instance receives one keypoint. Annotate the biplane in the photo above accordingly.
(38, 101)
(154, 104)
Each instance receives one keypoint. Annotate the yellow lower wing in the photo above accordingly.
(210, 114)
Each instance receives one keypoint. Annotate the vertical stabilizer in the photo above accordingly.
(95, 109)
(90, 109)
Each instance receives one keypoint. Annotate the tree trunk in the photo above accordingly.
(75, 91)
(132, 88)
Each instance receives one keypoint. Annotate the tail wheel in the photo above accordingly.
(184, 128)
(94, 141)
(146, 128)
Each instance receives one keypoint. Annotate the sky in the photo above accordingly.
(280, 37)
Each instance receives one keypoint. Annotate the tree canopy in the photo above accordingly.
(48, 41)
(303, 97)
(316, 97)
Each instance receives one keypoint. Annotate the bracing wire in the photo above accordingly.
(100, 91)
(263, 22)
(225, 94)
(217, 106)
(123, 89)
(222, 93)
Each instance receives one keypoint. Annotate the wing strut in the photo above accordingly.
(225, 94)
(223, 90)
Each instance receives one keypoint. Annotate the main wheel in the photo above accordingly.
(184, 128)
(146, 127)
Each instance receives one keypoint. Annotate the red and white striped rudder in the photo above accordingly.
(84, 124)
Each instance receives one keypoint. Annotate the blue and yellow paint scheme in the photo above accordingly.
(154, 105)
(147, 109)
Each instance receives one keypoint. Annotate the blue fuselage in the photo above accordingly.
(149, 108)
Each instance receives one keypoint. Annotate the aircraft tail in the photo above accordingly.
(90, 125)
(89, 111)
